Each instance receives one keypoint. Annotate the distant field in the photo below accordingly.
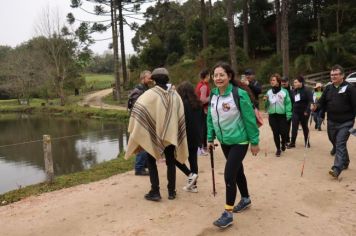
(97, 82)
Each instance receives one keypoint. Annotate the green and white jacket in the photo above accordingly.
(227, 123)
(279, 103)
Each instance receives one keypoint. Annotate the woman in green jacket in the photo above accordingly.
(233, 122)
(279, 108)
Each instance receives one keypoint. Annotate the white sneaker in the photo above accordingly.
(199, 151)
(193, 189)
(192, 178)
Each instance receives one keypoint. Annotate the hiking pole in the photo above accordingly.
(212, 167)
(306, 146)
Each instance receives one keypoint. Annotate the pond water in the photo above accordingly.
(77, 144)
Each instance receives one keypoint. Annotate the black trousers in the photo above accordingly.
(193, 162)
(289, 123)
(299, 118)
(204, 131)
(278, 123)
(171, 170)
(234, 171)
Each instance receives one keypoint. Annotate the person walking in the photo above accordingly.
(203, 91)
(141, 157)
(339, 101)
(193, 111)
(303, 98)
(253, 85)
(231, 119)
(279, 108)
(286, 86)
(318, 90)
(157, 125)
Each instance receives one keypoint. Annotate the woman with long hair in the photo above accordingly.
(233, 122)
(193, 112)
(279, 108)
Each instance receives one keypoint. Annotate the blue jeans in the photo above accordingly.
(141, 160)
(338, 134)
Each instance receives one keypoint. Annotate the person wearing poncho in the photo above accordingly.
(157, 125)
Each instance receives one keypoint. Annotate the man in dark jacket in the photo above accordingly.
(141, 157)
(285, 84)
(339, 101)
(253, 84)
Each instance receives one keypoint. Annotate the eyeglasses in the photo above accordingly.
(335, 74)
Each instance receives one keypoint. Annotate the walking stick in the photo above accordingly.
(212, 167)
(305, 148)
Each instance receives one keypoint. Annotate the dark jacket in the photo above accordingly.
(135, 93)
(256, 89)
(303, 104)
(193, 122)
(340, 104)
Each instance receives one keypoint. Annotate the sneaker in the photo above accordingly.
(199, 151)
(172, 195)
(345, 166)
(193, 189)
(278, 153)
(291, 145)
(153, 196)
(203, 152)
(283, 148)
(142, 173)
(242, 205)
(333, 152)
(225, 220)
(319, 128)
(192, 178)
(334, 172)
(307, 145)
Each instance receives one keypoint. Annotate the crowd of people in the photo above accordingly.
(179, 123)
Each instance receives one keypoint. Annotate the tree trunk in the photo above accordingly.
(245, 26)
(232, 43)
(337, 17)
(210, 8)
(278, 26)
(203, 21)
(122, 44)
(115, 49)
(285, 37)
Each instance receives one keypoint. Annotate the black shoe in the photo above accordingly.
(334, 172)
(345, 166)
(172, 195)
(333, 152)
(142, 173)
(153, 196)
(307, 145)
(319, 128)
(291, 145)
(278, 153)
(283, 148)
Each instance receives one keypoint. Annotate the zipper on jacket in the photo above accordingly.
(217, 112)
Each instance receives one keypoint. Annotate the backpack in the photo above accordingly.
(133, 96)
(259, 118)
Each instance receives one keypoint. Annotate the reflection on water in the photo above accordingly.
(85, 143)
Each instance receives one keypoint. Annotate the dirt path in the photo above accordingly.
(95, 100)
(283, 202)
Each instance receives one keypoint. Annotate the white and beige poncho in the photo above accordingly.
(157, 120)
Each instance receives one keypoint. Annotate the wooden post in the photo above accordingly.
(47, 151)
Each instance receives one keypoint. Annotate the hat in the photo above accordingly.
(160, 71)
(318, 85)
(284, 79)
(249, 72)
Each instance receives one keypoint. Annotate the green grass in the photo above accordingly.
(9, 106)
(110, 100)
(97, 82)
(98, 172)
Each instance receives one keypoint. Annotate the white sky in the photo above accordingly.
(18, 19)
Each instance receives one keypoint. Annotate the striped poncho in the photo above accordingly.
(157, 120)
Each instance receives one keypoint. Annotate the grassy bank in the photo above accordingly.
(97, 82)
(10, 106)
(98, 172)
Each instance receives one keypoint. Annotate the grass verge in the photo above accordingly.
(97, 172)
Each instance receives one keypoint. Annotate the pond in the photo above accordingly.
(77, 144)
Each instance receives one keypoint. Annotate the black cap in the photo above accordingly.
(249, 72)
(284, 79)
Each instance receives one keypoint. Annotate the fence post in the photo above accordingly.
(47, 151)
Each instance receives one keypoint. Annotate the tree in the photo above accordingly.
(245, 25)
(203, 21)
(285, 37)
(278, 26)
(231, 27)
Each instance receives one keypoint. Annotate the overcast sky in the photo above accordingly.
(18, 19)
